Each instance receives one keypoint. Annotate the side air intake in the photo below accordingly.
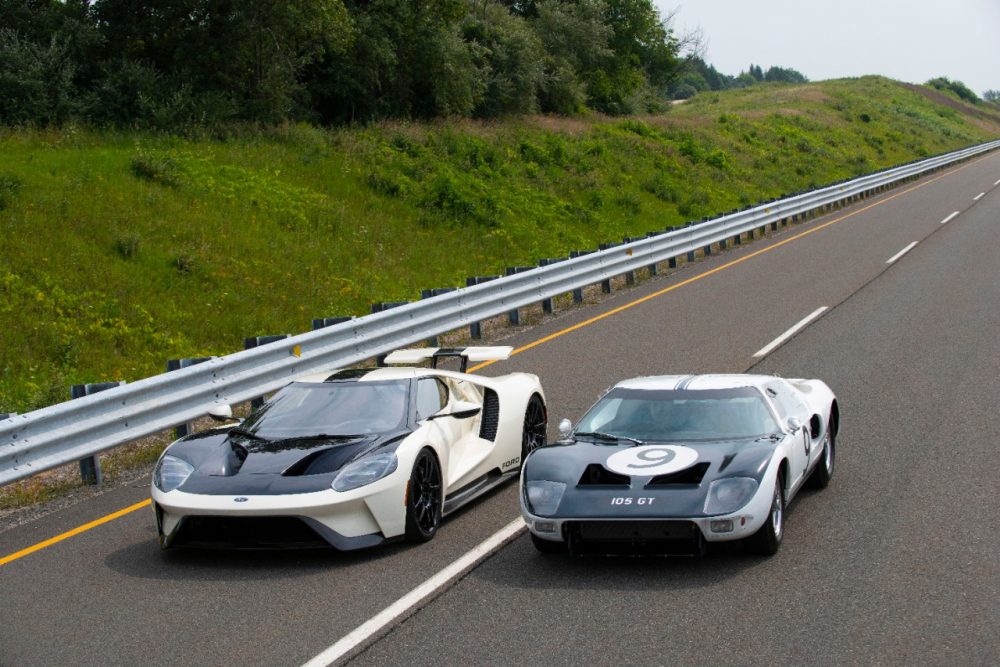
(491, 415)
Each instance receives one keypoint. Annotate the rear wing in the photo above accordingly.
(466, 354)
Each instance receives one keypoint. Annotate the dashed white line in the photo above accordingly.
(950, 218)
(767, 349)
(901, 253)
(997, 183)
(978, 197)
(421, 594)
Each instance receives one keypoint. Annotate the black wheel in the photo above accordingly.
(423, 498)
(767, 539)
(535, 422)
(547, 546)
(823, 472)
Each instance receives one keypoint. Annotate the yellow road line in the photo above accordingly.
(76, 531)
(114, 515)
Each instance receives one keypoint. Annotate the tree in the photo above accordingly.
(991, 95)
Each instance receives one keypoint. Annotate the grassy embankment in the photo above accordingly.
(119, 251)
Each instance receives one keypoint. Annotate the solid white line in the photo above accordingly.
(791, 332)
(950, 218)
(997, 183)
(420, 594)
(978, 197)
(901, 253)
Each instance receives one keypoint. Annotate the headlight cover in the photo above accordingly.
(730, 494)
(171, 472)
(365, 471)
(544, 496)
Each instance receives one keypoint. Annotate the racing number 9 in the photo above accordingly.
(656, 456)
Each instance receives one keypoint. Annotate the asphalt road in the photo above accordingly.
(896, 562)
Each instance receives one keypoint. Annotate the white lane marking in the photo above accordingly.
(420, 594)
(978, 197)
(950, 218)
(901, 253)
(996, 184)
(791, 332)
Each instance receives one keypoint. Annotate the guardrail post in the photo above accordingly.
(90, 467)
(378, 308)
(606, 283)
(176, 364)
(428, 293)
(257, 341)
(578, 292)
(547, 304)
(653, 268)
(476, 328)
(514, 316)
(324, 322)
(707, 250)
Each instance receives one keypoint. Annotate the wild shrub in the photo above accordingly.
(127, 245)
(10, 186)
(157, 168)
(661, 187)
(630, 202)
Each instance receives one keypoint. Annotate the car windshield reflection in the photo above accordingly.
(689, 415)
(334, 408)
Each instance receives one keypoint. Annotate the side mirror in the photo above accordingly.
(565, 428)
(221, 413)
(460, 410)
(794, 424)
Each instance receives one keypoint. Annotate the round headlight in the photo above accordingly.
(730, 494)
(365, 471)
(171, 472)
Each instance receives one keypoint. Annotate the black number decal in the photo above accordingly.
(657, 456)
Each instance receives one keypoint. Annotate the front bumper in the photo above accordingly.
(354, 519)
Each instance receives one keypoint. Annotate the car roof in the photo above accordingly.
(696, 382)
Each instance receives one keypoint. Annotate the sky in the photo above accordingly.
(908, 40)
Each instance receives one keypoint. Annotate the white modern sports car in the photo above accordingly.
(665, 464)
(351, 458)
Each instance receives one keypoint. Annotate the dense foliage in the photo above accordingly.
(955, 88)
(696, 76)
(170, 63)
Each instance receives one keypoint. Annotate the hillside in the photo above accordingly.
(121, 250)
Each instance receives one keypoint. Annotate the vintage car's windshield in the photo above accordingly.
(332, 408)
(668, 415)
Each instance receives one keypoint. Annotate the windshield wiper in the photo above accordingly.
(608, 436)
(238, 430)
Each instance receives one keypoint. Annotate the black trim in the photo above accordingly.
(490, 421)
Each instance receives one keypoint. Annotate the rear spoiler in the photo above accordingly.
(466, 354)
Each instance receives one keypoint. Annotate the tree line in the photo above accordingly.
(169, 63)
(698, 76)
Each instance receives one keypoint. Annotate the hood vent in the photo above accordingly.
(692, 475)
(598, 475)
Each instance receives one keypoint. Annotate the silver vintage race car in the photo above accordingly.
(351, 458)
(666, 464)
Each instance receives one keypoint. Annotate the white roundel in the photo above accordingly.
(652, 460)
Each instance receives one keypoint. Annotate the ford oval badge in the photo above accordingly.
(241, 499)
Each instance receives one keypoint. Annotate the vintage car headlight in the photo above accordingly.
(544, 496)
(365, 471)
(730, 494)
(171, 472)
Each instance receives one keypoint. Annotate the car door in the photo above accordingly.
(788, 405)
(431, 399)
(473, 456)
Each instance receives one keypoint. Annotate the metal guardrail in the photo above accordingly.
(67, 432)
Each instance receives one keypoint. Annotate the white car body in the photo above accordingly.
(474, 454)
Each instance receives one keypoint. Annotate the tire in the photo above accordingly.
(767, 539)
(823, 472)
(535, 423)
(423, 498)
(547, 546)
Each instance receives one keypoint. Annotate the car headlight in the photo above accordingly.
(544, 496)
(365, 471)
(171, 472)
(730, 494)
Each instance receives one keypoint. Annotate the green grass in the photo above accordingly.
(119, 251)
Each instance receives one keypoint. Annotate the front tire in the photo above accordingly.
(548, 546)
(423, 498)
(767, 539)
(535, 423)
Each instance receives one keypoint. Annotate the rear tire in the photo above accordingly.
(767, 539)
(823, 472)
(548, 546)
(535, 423)
(423, 498)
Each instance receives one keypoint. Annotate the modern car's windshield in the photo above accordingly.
(668, 415)
(333, 408)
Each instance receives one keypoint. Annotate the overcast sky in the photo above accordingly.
(909, 40)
